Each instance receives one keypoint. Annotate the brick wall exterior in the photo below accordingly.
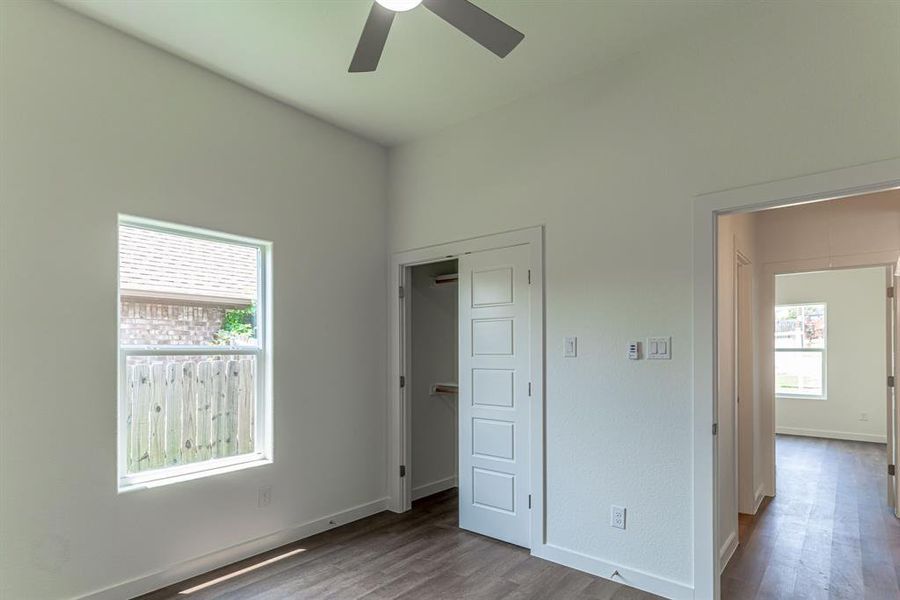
(162, 323)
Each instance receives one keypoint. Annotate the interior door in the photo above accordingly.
(494, 390)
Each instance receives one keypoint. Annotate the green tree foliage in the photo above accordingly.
(238, 327)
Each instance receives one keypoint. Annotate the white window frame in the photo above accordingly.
(263, 427)
(823, 355)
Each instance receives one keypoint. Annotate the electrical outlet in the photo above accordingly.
(265, 496)
(863, 416)
(617, 517)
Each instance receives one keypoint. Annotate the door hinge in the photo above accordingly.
(715, 429)
(529, 388)
(402, 470)
(400, 292)
(529, 276)
(891, 292)
(891, 469)
(529, 501)
(402, 381)
(891, 381)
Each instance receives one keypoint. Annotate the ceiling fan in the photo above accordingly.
(484, 28)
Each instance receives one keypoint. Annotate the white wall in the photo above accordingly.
(856, 362)
(94, 123)
(852, 229)
(434, 358)
(610, 163)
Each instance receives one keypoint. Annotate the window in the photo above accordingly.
(800, 351)
(194, 375)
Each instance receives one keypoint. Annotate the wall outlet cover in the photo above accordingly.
(265, 496)
(617, 517)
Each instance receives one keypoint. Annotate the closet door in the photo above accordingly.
(494, 375)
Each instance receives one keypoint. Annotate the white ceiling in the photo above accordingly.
(430, 75)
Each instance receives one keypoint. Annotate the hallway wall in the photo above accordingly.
(854, 408)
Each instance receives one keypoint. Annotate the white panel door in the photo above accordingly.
(494, 375)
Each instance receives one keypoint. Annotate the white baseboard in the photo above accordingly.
(833, 435)
(727, 550)
(760, 494)
(214, 560)
(635, 578)
(433, 488)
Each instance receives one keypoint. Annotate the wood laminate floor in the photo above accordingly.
(827, 534)
(417, 555)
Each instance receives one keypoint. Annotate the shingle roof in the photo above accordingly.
(164, 265)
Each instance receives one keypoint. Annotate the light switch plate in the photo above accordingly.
(659, 348)
(571, 350)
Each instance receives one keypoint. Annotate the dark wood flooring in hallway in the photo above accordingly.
(827, 534)
(418, 555)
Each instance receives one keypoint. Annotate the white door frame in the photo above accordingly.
(399, 447)
(841, 183)
(741, 265)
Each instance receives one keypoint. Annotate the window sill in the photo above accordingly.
(799, 397)
(150, 481)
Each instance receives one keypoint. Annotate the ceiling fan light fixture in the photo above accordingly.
(399, 5)
(468, 18)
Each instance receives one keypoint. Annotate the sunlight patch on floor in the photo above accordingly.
(240, 572)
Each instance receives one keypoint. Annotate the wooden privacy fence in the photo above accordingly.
(185, 411)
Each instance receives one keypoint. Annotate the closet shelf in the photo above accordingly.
(444, 389)
(446, 280)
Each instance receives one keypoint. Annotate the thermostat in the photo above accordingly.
(634, 350)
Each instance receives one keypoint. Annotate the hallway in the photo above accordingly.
(827, 534)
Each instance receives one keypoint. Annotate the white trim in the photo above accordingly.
(851, 181)
(208, 468)
(833, 435)
(129, 350)
(427, 489)
(399, 493)
(220, 558)
(758, 498)
(182, 229)
(727, 551)
(779, 396)
(668, 588)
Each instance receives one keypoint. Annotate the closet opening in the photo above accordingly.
(433, 383)
(466, 408)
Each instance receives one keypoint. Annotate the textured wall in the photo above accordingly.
(611, 164)
(93, 125)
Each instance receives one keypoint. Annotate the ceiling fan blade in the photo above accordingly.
(483, 27)
(371, 42)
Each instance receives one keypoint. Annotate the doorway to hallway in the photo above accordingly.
(828, 532)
